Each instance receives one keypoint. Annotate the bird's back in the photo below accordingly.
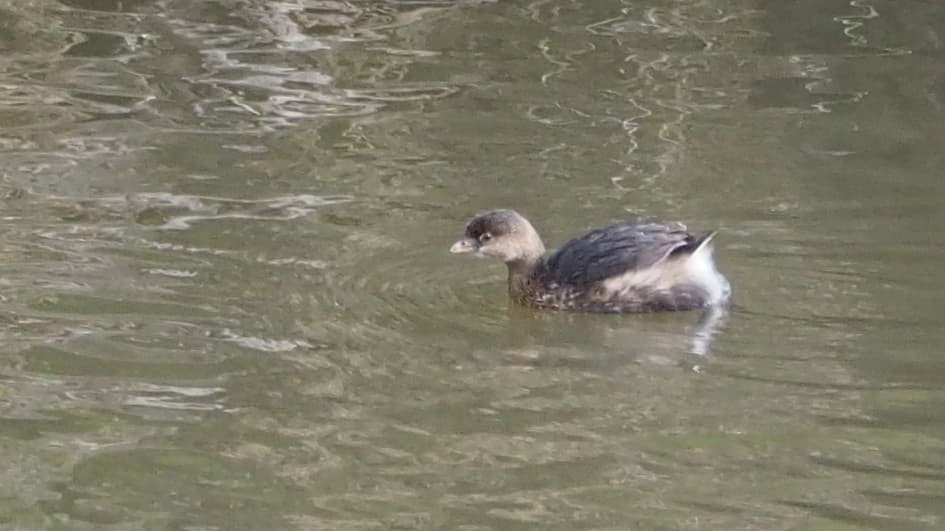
(631, 267)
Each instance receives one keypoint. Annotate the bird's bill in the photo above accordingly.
(465, 245)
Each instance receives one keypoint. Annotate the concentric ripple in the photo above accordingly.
(397, 296)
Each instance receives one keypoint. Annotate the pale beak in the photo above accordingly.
(466, 245)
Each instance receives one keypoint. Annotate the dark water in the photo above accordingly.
(226, 302)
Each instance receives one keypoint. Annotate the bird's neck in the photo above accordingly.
(525, 270)
(523, 277)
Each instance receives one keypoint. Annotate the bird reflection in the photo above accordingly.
(604, 343)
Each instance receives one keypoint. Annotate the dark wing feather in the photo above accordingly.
(617, 249)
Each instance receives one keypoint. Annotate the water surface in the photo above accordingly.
(227, 303)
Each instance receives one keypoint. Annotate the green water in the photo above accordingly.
(226, 301)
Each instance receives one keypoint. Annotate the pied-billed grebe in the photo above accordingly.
(626, 267)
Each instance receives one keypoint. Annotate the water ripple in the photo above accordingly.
(226, 301)
(282, 72)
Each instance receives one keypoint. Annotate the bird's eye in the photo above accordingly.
(484, 237)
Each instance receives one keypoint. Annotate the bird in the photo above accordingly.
(629, 267)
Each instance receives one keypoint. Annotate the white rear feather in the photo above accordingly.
(696, 269)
